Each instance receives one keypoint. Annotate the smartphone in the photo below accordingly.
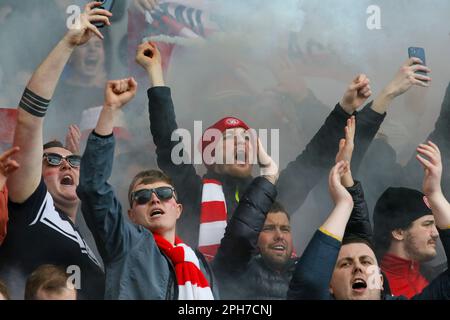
(416, 52)
(106, 5)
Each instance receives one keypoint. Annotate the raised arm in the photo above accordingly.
(405, 78)
(163, 124)
(241, 235)
(314, 270)
(101, 209)
(430, 158)
(302, 174)
(36, 99)
(359, 223)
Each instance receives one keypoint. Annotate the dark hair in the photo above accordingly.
(47, 277)
(382, 239)
(4, 290)
(355, 239)
(278, 207)
(53, 144)
(148, 177)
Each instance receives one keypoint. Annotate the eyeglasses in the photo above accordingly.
(143, 196)
(55, 159)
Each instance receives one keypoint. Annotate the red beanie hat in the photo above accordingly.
(222, 125)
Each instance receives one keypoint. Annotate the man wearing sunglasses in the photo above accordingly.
(43, 202)
(145, 259)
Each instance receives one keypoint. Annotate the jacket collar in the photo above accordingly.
(399, 266)
(230, 182)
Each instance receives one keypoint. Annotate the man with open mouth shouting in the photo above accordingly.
(43, 202)
(144, 259)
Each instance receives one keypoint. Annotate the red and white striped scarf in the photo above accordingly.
(192, 283)
(213, 218)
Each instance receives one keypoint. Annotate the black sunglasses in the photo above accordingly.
(55, 159)
(143, 196)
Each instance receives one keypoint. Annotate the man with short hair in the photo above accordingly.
(405, 236)
(49, 282)
(263, 269)
(145, 259)
(43, 202)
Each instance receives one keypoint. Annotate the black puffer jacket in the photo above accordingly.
(240, 272)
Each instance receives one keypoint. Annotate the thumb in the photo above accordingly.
(341, 144)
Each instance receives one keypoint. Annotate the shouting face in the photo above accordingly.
(61, 175)
(356, 274)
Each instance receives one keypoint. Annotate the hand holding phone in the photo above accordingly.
(106, 5)
(416, 52)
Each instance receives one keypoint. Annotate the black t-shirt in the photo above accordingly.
(38, 234)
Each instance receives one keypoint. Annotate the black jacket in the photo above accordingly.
(295, 182)
(241, 273)
(315, 269)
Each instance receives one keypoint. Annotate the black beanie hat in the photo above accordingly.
(397, 208)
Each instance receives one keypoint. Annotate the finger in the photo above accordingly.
(422, 77)
(77, 130)
(341, 145)
(364, 90)
(368, 94)
(426, 147)
(132, 84)
(145, 5)
(421, 83)
(360, 85)
(11, 163)
(98, 18)
(413, 61)
(122, 86)
(342, 169)
(358, 78)
(115, 87)
(347, 133)
(11, 169)
(95, 31)
(152, 4)
(100, 12)
(426, 153)
(91, 5)
(434, 146)
(431, 153)
(420, 67)
(8, 153)
(425, 163)
(110, 85)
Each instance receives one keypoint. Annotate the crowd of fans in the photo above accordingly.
(177, 234)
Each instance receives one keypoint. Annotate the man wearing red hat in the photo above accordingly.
(213, 199)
